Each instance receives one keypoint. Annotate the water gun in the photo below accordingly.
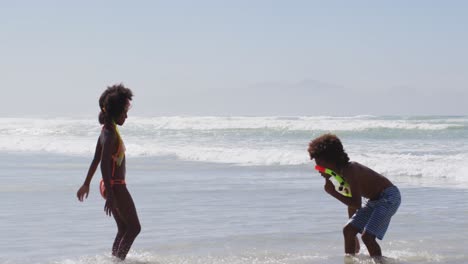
(341, 186)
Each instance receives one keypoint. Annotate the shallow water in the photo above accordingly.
(230, 189)
(211, 213)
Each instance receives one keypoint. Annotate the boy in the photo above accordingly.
(356, 181)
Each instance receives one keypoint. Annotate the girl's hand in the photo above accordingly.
(84, 190)
(109, 205)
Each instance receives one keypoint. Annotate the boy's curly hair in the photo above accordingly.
(328, 147)
(112, 102)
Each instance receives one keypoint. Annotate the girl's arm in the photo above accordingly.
(108, 140)
(84, 189)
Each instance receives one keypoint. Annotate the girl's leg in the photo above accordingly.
(121, 230)
(130, 218)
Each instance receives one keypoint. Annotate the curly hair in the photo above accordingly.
(328, 147)
(112, 102)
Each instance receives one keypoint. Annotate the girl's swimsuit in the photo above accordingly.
(117, 159)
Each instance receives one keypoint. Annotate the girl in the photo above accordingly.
(110, 152)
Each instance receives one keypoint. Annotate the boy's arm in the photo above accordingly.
(351, 211)
(354, 201)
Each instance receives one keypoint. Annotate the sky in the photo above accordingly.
(229, 58)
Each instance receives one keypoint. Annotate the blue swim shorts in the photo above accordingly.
(374, 217)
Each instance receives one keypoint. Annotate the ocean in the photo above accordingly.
(230, 190)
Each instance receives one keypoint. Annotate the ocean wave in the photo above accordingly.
(148, 125)
(292, 124)
(419, 153)
(404, 163)
(428, 170)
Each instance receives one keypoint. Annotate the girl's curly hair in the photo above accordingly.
(112, 102)
(328, 147)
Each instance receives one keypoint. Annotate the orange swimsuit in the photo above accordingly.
(117, 159)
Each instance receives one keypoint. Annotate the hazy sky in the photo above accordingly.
(236, 57)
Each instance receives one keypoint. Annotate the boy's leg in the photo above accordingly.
(371, 244)
(356, 225)
(379, 221)
(350, 238)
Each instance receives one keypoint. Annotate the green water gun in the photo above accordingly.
(341, 186)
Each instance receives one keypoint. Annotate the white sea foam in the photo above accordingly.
(139, 258)
(67, 126)
(289, 123)
(428, 170)
(252, 141)
(393, 257)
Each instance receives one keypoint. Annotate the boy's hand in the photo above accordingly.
(82, 192)
(329, 187)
